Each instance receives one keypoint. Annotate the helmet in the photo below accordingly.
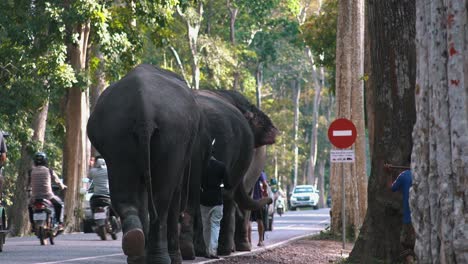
(40, 158)
(273, 181)
(100, 163)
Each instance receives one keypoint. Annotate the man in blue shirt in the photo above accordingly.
(407, 237)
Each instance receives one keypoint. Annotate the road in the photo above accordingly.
(89, 249)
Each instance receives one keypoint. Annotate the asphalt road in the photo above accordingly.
(89, 249)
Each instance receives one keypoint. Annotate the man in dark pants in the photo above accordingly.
(211, 204)
(259, 191)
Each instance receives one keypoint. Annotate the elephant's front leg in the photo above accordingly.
(241, 237)
(226, 234)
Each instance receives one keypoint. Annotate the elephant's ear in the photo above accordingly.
(249, 115)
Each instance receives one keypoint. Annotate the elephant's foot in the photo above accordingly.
(176, 258)
(136, 260)
(222, 251)
(159, 259)
(133, 243)
(187, 250)
(243, 246)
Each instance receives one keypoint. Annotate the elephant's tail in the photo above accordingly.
(144, 140)
(246, 202)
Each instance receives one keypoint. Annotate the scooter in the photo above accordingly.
(280, 205)
(106, 222)
(45, 224)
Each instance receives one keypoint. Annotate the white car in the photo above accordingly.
(304, 196)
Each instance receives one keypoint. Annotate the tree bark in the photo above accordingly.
(297, 95)
(392, 30)
(259, 82)
(315, 112)
(349, 90)
(321, 184)
(76, 143)
(193, 18)
(19, 219)
(233, 11)
(439, 196)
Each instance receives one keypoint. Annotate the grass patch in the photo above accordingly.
(326, 235)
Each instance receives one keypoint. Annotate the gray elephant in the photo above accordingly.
(145, 126)
(238, 127)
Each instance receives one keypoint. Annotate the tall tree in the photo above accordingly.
(349, 91)
(193, 17)
(440, 153)
(296, 85)
(76, 115)
(392, 32)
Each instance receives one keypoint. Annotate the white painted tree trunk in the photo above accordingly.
(439, 197)
(349, 91)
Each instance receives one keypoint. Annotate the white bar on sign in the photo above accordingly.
(342, 133)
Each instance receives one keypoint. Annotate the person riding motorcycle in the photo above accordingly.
(98, 175)
(40, 183)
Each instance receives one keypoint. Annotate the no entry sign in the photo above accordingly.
(342, 133)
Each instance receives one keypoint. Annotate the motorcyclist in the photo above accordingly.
(3, 157)
(98, 175)
(40, 182)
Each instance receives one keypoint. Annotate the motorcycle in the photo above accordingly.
(45, 223)
(280, 205)
(105, 220)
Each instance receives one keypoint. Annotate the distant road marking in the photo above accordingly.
(80, 259)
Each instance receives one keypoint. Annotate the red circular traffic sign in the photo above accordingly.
(342, 133)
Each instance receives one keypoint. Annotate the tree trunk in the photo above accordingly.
(76, 143)
(439, 196)
(297, 95)
(349, 90)
(233, 11)
(193, 22)
(315, 115)
(321, 185)
(391, 28)
(19, 220)
(259, 81)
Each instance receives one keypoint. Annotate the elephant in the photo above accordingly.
(238, 128)
(145, 126)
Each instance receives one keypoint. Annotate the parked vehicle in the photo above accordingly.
(106, 222)
(87, 190)
(45, 223)
(280, 205)
(304, 196)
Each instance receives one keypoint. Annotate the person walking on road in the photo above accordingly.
(211, 204)
(259, 191)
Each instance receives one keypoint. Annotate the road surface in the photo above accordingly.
(89, 249)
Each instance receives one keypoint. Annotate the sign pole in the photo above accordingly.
(343, 205)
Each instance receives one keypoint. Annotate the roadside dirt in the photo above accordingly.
(304, 251)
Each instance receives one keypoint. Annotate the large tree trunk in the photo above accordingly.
(391, 28)
(193, 18)
(349, 90)
(76, 143)
(297, 95)
(233, 11)
(19, 220)
(315, 115)
(439, 195)
(321, 184)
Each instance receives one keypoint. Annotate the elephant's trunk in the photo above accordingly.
(247, 203)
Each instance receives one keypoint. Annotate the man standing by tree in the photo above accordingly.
(407, 237)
